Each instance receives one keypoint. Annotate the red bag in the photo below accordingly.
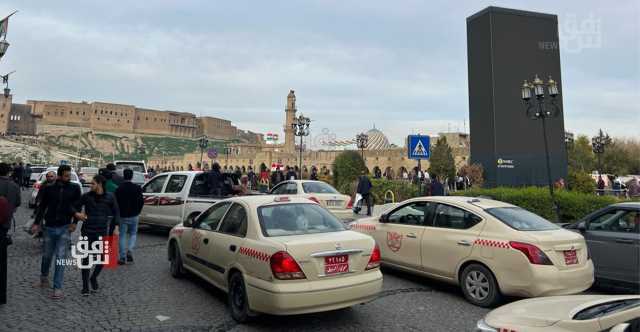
(6, 211)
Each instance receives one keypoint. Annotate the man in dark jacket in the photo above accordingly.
(130, 202)
(57, 209)
(276, 177)
(436, 188)
(100, 210)
(291, 173)
(9, 191)
(364, 189)
(215, 181)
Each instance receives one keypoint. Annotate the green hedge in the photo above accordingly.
(402, 190)
(573, 205)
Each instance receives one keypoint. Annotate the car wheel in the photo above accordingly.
(479, 286)
(238, 300)
(176, 268)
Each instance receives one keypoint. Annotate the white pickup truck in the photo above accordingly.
(170, 198)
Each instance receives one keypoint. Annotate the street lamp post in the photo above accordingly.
(300, 127)
(203, 143)
(568, 143)
(538, 109)
(362, 140)
(598, 143)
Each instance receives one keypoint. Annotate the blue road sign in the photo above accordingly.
(212, 153)
(418, 147)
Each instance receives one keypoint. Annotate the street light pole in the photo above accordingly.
(539, 110)
(203, 143)
(598, 143)
(300, 127)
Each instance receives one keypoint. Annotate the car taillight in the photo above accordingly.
(314, 199)
(284, 267)
(533, 253)
(374, 260)
(350, 204)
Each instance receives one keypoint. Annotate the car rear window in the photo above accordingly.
(297, 219)
(607, 308)
(318, 188)
(138, 167)
(521, 219)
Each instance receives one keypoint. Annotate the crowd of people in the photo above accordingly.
(110, 208)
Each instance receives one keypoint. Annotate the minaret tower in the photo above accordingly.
(290, 111)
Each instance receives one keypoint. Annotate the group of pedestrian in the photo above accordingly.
(110, 207)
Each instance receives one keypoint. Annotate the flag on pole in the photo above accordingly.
(4, 25)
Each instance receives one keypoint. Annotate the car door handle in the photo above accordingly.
(624, 241)
(232, 247)
(206, 241)
(411, 235)
(464, 243)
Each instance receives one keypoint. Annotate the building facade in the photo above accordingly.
(111, 117)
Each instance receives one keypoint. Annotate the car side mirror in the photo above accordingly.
(582, 226)
(384, 218)
(190, 221)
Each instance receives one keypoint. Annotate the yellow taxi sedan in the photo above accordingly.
(489, 248)
(278, 255)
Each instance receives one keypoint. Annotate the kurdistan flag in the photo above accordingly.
(4, 25)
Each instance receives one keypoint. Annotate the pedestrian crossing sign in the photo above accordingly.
(418, 147)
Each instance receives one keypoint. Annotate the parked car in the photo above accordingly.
(277, 255)
(41, 178)
(171, 198)
(320, 192)
(613, 237)
(135, 165)
(577, 313)
(488, 248)
(35, 173)
(86, 174)
(138, 177)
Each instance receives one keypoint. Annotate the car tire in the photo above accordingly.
(238, 300)
(479, 286)
(176, 268)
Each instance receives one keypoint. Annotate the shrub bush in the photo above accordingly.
(581, 182)
(573, 205)
(402, 190)
(346, 168)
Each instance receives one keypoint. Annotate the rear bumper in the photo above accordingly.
(550, 281)
(312, 296)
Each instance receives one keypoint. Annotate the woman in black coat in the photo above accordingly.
(100, 209)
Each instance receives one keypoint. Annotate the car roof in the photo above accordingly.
(482, 203)
(627, 204)
(260, 200)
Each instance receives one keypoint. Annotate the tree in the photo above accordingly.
(581, 156)
(346, 168)
(441, 162)
(475, 173)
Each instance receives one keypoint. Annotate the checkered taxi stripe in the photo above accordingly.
(492, 243)
(259, 255)
(364, 227)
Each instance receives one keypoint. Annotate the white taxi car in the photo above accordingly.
(489, 248)
(277, 255)
(320, 192)
(575, 313)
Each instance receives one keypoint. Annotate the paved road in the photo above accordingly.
(144, 297)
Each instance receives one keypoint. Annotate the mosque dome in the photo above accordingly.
(377, 140)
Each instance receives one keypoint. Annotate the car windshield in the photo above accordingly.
(318, 188)
(607, 308)
(521, 219)
(132, 166)
(297, 219)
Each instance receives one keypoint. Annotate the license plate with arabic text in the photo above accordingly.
(336, 264)
(570, 257)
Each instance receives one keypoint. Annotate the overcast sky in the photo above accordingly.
(400, 65)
